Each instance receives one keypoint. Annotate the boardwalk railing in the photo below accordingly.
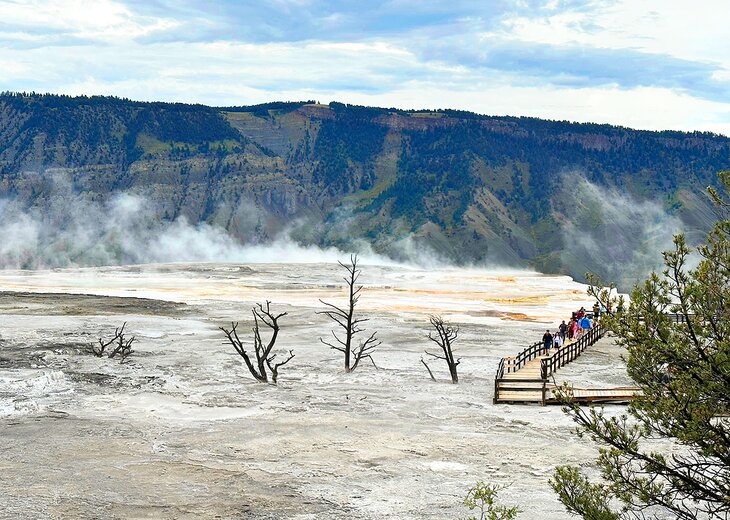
(569, 352)
(675, 317)
(514, 363)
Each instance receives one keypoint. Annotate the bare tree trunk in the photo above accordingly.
(349, 323)
(445, 336)
(263, 356)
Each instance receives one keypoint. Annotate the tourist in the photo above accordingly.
(585, 324)
(563, 328)
(557, 341)
(580, 314)
(596, 310)
(573, 330)
(547, 340)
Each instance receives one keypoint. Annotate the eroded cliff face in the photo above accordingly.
(468, 188)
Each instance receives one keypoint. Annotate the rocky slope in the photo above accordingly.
(467, 187)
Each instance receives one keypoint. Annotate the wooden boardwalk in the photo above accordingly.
(525, 378)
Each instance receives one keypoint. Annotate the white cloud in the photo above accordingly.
(108, 47)
(217, 72)
(16, 69)
(99, 20)
(693, 31)
(225, 73)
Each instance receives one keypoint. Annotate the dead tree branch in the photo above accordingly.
(119, 344)
(351, 326)
(429, 369)
(262, 357)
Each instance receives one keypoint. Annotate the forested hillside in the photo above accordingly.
(466, 187)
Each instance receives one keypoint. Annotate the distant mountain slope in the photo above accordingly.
(470, 188)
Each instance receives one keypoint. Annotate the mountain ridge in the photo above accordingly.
(470, 188)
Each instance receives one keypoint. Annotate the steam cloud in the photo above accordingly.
(69, 229)
(604, 231)
(613, 234)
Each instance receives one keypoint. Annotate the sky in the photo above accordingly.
(654, 64)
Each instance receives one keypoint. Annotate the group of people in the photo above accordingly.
(579, 323)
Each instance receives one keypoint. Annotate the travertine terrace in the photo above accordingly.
(183, 431)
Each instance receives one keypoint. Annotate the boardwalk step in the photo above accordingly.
(506, 385)
(524, 374)
(520, 396)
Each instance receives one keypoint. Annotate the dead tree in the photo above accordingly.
(350, 324)
(119, 345)
(444, 338)
(262, 358)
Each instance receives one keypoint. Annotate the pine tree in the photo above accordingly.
(669, 454)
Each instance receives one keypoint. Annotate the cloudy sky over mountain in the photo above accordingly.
(648, 64)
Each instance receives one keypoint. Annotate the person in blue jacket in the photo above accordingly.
(583, 325)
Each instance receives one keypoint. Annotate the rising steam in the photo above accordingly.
(612, 233)
(65, 228)
(604, 231)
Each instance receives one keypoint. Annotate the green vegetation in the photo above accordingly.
(346, 149)
(670, 453)
(483, 498)
(81, 131)
(269, 109)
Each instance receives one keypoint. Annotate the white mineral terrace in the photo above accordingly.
(519, 294)
(183, 431)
